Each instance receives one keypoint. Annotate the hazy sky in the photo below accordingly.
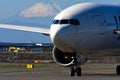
(9, 8)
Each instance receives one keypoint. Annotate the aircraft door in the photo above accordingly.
(117, 22)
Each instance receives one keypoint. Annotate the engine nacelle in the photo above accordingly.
(65, 59)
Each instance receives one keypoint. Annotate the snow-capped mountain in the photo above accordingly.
(40, 14)
(41, 10)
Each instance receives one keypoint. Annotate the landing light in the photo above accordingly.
(72, 57)
(66, 57)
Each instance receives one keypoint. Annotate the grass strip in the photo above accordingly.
(23, 66)
(51, 66)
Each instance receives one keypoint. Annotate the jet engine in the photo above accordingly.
(65, 59)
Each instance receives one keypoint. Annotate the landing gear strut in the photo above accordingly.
(76, 70)
(118, 70)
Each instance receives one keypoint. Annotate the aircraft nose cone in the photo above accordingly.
(54, 30)
(62, 37)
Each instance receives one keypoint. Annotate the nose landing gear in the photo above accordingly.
(76, 70)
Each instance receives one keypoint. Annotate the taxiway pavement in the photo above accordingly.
(90, 72)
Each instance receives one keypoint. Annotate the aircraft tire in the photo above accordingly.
(72, 71)
(78, 71)
(118, 70)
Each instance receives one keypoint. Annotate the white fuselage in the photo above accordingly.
(95, 30)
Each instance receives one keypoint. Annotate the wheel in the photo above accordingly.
(118, 70)
(72, 71)
(78, 71)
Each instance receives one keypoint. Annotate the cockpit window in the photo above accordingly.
(74, 22)
(64, 21)
(56, 21)
(67, 21)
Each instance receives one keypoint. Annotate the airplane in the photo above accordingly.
(79, 30)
